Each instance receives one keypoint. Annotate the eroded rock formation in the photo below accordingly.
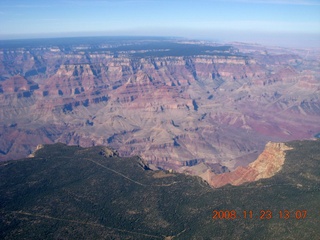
(200, 107)
(268, 163)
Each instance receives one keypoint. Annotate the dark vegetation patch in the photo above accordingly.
(85, 103)
(13, 125)
(45, 93)
(195, 105)
(76, 193)
(34, 72)
(67, 108)
(167, 48)
(89, 123)
(71, 41)
(136, 46)
(34, 87)
(100, 99)
(25, 94)
(76, 91)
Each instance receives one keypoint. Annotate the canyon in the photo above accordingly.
(190, 106)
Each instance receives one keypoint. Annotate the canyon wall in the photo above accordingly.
(269, 162)
(214, 110)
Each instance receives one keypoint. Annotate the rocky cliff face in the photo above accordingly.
(268, 163)
(187, 110)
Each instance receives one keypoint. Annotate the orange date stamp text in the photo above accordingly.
(266, 214)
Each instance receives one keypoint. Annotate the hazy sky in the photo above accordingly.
(292, 22)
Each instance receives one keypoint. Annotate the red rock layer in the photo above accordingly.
(268, 163)
(187, 113)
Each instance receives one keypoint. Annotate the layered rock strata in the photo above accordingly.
(268, 163)
(189, 111)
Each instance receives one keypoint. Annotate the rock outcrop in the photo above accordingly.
(40, 146)
(268, 163)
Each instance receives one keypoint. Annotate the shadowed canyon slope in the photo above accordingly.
(183, 105)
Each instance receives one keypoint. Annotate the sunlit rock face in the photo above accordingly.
(186, 106)
(268, 163)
